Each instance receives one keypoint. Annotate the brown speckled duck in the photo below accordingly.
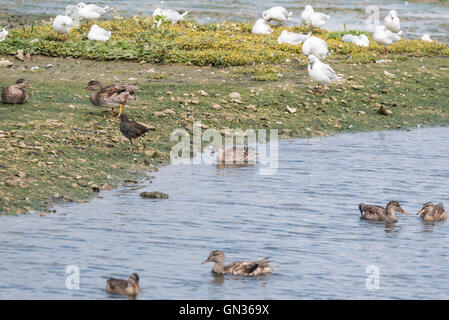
(116, 95)
(238, 268)
(236, 155)
(378, 213)
(16, 93)
(128, 287)
(431, 212)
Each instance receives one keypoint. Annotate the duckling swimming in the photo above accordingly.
(431, 212)
(238, 268)
(117, 95)
(128, 287)
(16, 93)
(378, 213)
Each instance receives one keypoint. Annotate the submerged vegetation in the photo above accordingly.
(220, 45)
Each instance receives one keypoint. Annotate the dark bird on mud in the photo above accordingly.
(238, 268)
(116, 95)
(132, 129)
(378, 213)
(431, 212)
(16, 93)
(128, 287)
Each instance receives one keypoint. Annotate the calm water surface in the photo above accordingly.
(305, 218)
(416, 18)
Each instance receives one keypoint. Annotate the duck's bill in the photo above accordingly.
(28, 86)
(205, 261)
(403, 212)
(419, 213)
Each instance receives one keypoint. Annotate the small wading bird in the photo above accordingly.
(321, 73)
(431, 212)
(16, 93)
(116, 95)
(238, 268)
(378, 213)
(132, 129)
(128, 287)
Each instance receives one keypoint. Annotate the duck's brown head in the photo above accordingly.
(215, 256)
(427, 207)
(23, 83)
(93, 86)
(396, 206)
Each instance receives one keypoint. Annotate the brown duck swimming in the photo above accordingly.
(431, 212)
(238, 268)
(378, 213)
(132, 129)
(117, 95)
(236, 155)
(128, 287)
(16, 93)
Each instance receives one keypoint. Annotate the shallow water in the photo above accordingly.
(416, 18)
(305, 218)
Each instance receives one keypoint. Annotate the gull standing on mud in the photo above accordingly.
(261, 27)
(316, 46)
(320, 72)
(392, 22)
(238, 268)
(385, 37)
(313, 19)
(278, 14)
(170, 15)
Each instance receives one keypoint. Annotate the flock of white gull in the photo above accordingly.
(312, 46)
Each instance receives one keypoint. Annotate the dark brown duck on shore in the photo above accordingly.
(117, 95)
(431, 212)
(16, 93)
(128, 287)
(132, 129)
(238, 268)
(378, 213)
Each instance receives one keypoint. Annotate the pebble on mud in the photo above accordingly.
(154, 195)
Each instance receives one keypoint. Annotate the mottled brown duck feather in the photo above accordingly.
(128, 287)
(378, 213)
(16, 93)
(431, 212)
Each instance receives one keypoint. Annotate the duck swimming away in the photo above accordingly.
(16, 93)
(238, 268)
(128, 287)
(431, 212)
(378, 213)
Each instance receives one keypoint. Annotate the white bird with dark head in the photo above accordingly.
(320, 72)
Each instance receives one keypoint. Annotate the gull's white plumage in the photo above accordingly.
(3, 34)
(426, 37)
(279, 14)
(320, 72)
(169, 14)
(91, 12)
(361, 40)
(62, 24)
(261, 27)
(292, 38)
(97, 33)
(315, 46)
(392, 22)
(385, 37)
(313, 19)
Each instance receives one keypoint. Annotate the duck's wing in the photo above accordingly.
(139, 128)
(115, 284)
(249, 268)
(439, 212)
(370, 211)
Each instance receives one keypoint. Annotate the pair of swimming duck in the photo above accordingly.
(429, 212)
(261, 267)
